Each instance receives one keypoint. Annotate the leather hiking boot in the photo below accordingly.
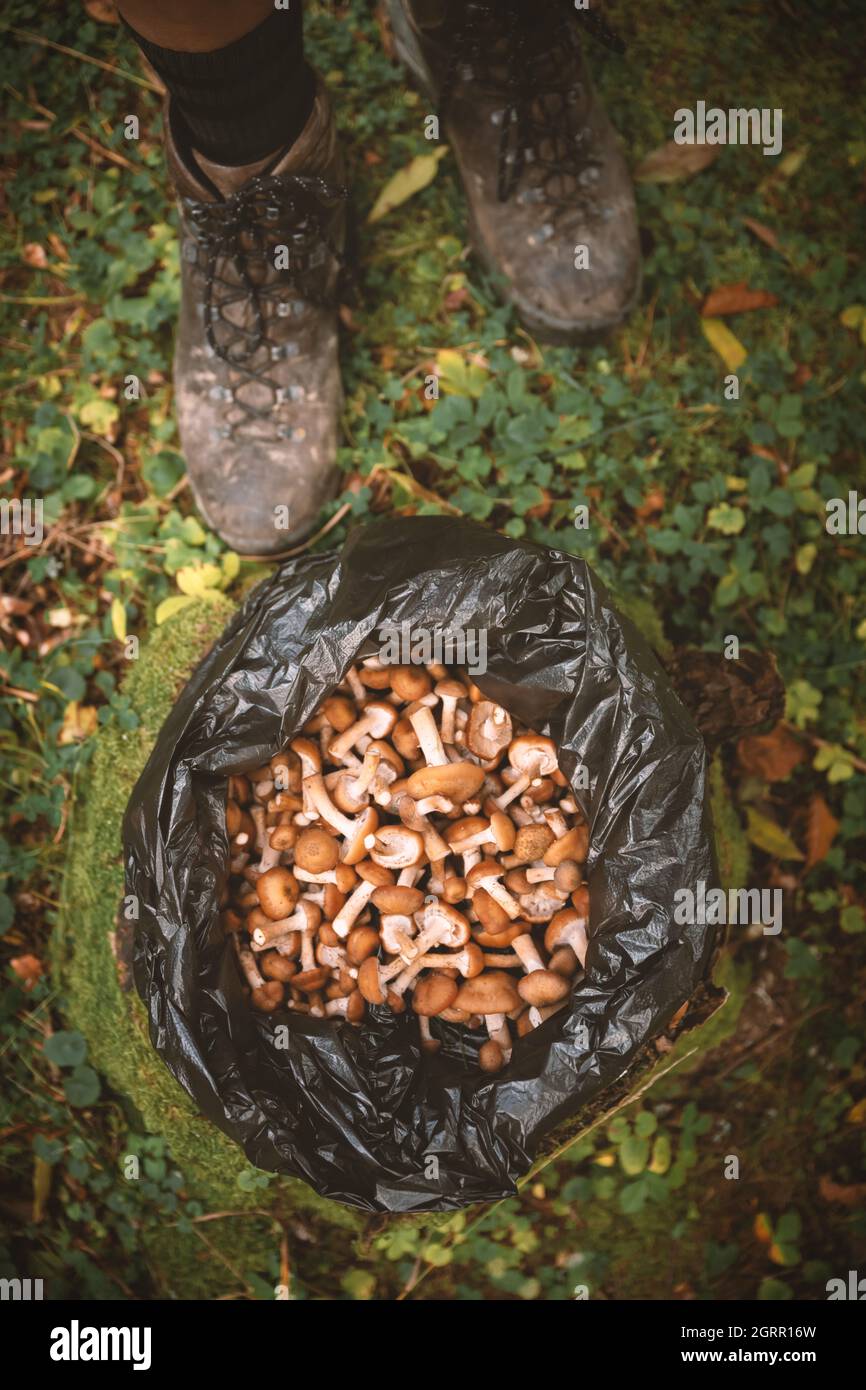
(256, 374)
(543, 173)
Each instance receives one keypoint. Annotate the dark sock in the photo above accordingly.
(243, 102)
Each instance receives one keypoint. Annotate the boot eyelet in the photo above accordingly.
(284, 309)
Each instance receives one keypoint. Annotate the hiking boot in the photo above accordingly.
(541, 167)
(257, 380)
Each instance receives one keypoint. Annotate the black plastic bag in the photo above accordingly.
(357, 1111)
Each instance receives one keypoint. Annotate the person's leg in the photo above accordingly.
(252, 150)
(551, 208)
(235, 72)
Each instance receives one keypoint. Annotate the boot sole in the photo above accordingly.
(539, 324)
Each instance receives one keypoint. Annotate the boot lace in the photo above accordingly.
(536, 69)
(266, 256)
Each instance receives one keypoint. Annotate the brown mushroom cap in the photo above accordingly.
(375, 873)
(311, 981)
(531, 842)
(276, 966)
(503, 830)
(375, 677)
(369, 983)
(395, 897)
(361, 943)
(268, 996)
(564, 961)
(497, 941)
(354, 849)
(490, 1056)
(405, 739)
(457, 781)
(568, 876)
(410, 682)
(464, 829)
(543, 987)
(573, 845)
(434, 993)
(339, 711)
(494, 992)
(486, 738)
(316, 850)
(277, 891)
(493, 918)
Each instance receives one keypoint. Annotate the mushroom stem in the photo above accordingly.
(526, 949)
(497, 1031)
(247, 962)
(353, 907)
(424, 724)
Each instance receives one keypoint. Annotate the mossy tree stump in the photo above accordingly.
(101, 1002)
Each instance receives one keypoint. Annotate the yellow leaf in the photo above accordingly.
(672, 161)
(857, 1114)
(605, 1160)
(762, 1228)
(770, 837)
(195, 580)
(41, 1187)
(170, 606)
(118, 620)
(417, 174)
(726, 343)
(79, 722)
(231, 567)
(459, 377)
(789, 164)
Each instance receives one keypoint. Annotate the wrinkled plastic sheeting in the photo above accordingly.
(359, 1112)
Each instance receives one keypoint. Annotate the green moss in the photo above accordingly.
(112, 1019)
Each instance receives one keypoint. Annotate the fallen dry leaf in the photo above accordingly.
(672, 161)
(652, 503)
(725, 343)
(772, 756)
(847, 1194)
(408, 181)
(769, 836)
(736, 299)
(28, 969)
(34, 254)
(821, 830)
(857, 1114)
(79, 722)
(762, 232)
(102, 11)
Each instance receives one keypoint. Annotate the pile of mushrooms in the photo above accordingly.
(412, 848)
